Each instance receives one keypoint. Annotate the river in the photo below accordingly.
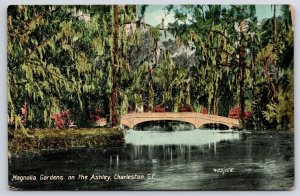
(196, 159)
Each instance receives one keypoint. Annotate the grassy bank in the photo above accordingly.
(39, 139)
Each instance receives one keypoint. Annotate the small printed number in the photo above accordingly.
(224, 170)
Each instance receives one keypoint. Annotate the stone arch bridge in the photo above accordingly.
(195, 118)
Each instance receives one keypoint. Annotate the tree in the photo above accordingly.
(87, 59)
(37, 73)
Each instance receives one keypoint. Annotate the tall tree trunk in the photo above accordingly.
(215, 105)
(269, 79)
(151, 91)
(274, 25)
(114, 94)
(254, 99)
(275, 35)
(242, 75)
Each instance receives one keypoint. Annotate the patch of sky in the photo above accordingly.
(155, 13)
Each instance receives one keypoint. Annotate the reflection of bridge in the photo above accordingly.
(197, 119)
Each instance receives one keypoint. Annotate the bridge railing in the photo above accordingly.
(180, 115)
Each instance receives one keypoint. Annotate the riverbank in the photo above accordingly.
(40, 139)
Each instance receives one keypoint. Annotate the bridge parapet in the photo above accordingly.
(197, 119)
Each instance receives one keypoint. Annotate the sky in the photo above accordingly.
(155, 13)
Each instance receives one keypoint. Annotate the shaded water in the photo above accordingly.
(157, 160)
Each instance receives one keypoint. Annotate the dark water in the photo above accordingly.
(178, 160)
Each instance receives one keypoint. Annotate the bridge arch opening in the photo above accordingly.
(164, 125)
(126, 127)
(219, 126)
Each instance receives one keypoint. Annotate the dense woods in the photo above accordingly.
(73, 65)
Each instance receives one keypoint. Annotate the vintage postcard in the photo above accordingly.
(150, 97)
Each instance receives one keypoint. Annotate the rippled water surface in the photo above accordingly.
(159, 160)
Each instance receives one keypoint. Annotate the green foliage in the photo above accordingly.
(38, 139)
(63, 57)
(215, 32)
(51, 64)
(282, 111)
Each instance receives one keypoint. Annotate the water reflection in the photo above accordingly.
(182, 160)
(194, 137)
